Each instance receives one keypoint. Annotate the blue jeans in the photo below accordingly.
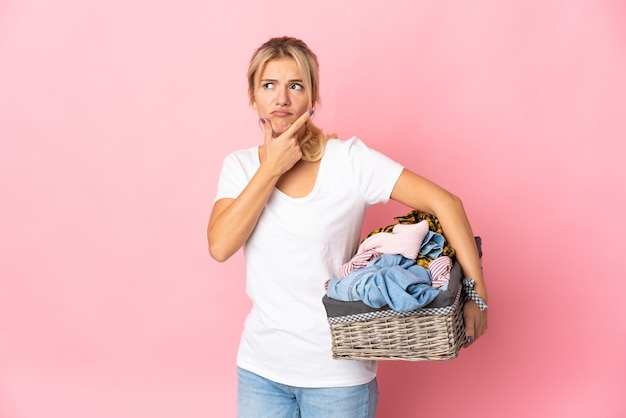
(258, 397)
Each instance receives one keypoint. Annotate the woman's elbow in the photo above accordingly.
(218, 253)
(455, 200)
(449, 201)
(217, 256)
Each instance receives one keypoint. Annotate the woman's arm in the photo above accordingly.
(420, 193)
(233, 220)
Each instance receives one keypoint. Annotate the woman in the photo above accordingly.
(296, 204)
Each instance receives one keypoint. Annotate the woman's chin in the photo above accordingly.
(277, 132)
(279, 126)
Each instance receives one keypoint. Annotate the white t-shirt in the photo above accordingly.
(298, 244)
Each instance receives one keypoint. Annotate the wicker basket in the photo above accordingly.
(434, 332)
(420, 335)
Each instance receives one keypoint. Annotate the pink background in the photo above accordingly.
(114, 119)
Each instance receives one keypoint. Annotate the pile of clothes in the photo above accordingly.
(404, 265)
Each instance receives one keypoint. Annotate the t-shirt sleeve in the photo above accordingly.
(376, 173)
(233, 178)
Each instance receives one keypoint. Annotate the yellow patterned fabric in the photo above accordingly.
(414, 217)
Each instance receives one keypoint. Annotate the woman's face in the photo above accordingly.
(280, 96)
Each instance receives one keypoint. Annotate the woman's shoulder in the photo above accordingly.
(338, 143)
(352, 146)
(344, 140)
(245, 155)
(355, 151)
(246, 159)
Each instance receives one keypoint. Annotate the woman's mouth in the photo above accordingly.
(281, 113)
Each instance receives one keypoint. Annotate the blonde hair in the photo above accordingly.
(313, 142)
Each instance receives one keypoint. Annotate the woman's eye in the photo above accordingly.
(296, 86)
(268, 85)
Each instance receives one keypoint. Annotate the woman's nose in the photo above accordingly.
(282, 97)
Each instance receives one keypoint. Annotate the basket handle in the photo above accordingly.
(468, 286)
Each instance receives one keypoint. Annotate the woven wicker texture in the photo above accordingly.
(409, 336)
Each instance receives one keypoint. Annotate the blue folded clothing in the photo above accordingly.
(390, 279)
